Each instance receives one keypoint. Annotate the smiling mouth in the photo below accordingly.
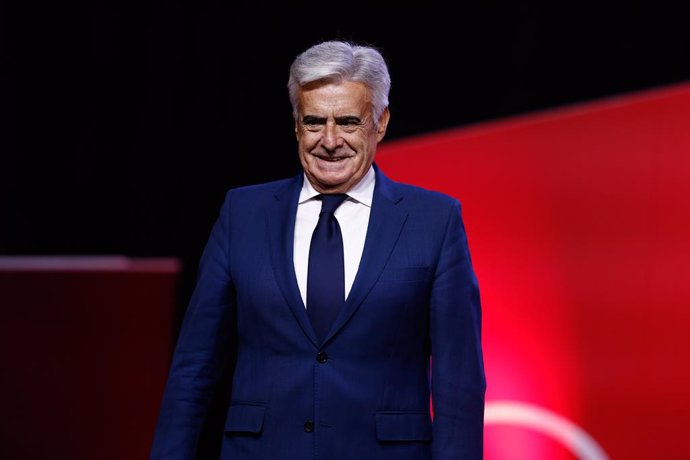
(331, 159)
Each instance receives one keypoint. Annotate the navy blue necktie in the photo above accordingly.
(326, 272)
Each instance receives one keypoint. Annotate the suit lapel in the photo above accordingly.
(386, 221)
(280, 219)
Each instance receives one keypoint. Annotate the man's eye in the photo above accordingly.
(313, 127)
(350, 126)
(349, 121)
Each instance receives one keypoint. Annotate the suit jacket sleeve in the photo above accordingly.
(458, 382)
(201, 350)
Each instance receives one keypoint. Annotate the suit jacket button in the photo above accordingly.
(308, 426)
(321, 357)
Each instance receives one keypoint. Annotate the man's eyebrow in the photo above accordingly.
(344, 120)
(348, 120)
(313, 120)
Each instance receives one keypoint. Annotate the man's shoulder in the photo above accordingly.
(414, 194)
(423, 196)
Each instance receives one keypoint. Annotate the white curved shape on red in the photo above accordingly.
(557, 427)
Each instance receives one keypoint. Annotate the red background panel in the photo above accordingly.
(579, 226)
(84, 351)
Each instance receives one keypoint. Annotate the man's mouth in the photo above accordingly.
(331, 159)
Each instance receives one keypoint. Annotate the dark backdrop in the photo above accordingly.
(124, 124)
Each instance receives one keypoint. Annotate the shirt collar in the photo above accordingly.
(362, 192)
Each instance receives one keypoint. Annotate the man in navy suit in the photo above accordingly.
(408, 328)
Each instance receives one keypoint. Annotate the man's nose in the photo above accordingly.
(331, 137)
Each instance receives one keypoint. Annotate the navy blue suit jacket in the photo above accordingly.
(409, 331)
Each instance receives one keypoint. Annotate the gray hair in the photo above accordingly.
(337, 61)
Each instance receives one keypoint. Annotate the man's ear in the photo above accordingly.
(383, 124)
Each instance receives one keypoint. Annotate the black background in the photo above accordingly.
(124, 124)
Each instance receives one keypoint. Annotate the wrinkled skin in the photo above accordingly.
(336, 135)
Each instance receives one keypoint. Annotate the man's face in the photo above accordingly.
(336, 135)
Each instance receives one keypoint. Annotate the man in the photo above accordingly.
(333, 350)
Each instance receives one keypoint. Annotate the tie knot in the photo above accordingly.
(329, 203)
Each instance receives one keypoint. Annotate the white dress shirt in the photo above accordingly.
(353, 218)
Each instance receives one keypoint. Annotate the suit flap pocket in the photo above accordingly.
(403, 426)
(245, 418)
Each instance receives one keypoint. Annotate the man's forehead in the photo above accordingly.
(345, 91)
(335, 100)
